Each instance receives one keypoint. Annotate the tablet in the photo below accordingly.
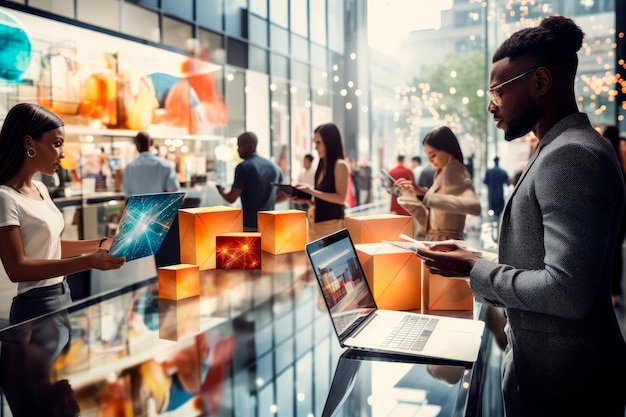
(388, 183)
(292, 191)
(146, 220)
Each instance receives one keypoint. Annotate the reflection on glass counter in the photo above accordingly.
(253, 343)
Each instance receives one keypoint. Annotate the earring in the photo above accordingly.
(31, 152)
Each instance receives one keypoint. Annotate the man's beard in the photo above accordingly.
(521, 126)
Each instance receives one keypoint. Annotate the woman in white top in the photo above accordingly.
(32, 252)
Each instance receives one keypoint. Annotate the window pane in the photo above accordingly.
(299, 48)
(235, 81)
(237, 53)
(279, 66)
(279, 39)
(176, 33)
(258, 60)
(210, 13)
(141, 23)
(60, 7)
(299, 18)
(179, 8)
(103, 13)
(317, 15)
(257, 31)
(335, 26)
(279, 12)
(259, 7)
(214, 44)
(258, 109)
(280, 122)
(233, 16)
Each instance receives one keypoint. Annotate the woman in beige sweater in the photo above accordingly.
(443, 207)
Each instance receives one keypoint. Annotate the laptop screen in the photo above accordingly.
(342, 281)
(146, 220)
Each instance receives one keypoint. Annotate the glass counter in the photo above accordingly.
(254, 343)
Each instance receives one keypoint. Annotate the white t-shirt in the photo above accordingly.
(41, 224)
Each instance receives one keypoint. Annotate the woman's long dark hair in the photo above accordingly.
(24, 119)
(331, 137)
(443, 139)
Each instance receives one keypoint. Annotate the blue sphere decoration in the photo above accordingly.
(15, 48)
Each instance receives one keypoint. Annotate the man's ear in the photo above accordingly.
(543, 80)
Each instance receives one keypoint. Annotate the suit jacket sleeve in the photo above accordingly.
(558, 234)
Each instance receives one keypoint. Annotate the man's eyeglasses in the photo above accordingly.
(494, 92)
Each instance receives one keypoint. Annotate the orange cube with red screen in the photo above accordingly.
(199, 228)
(238, 250)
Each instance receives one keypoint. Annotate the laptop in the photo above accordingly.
(146, 220)
(360, 324)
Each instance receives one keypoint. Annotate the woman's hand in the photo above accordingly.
(101, 260)
(304, 188)
(407, 185)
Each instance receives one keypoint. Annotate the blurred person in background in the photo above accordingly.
(495, 179)
(417, 168)
(327, 207)
(253, 181)
(398, 172)
(444, 206)
(148, 174)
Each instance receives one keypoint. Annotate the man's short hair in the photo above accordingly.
(417, 159)
(308, 157)
(249, 138)
(400, 158)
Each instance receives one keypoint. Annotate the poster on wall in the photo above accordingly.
(96, 81)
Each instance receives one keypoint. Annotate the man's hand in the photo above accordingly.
(448, 260)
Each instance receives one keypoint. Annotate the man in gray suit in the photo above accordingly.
(565, 354)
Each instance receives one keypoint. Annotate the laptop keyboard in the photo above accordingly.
(412, 333)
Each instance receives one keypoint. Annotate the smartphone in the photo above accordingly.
(388, 183)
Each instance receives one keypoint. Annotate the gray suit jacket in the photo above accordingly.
(557, 240)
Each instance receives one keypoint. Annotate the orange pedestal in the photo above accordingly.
(179, 318)
(393, 274)
(199, 228)
(238, 250)
(377, 227)
(178, 281)
(441, 293)
(282, 231)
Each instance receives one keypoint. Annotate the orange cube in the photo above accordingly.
(376, 227)
(282, 231)
(179, 318)
(442, 293)
(393, 274)
(238, 250)
(199, 228)
(178, 281)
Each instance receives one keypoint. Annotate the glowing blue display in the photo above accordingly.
(147, 219)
